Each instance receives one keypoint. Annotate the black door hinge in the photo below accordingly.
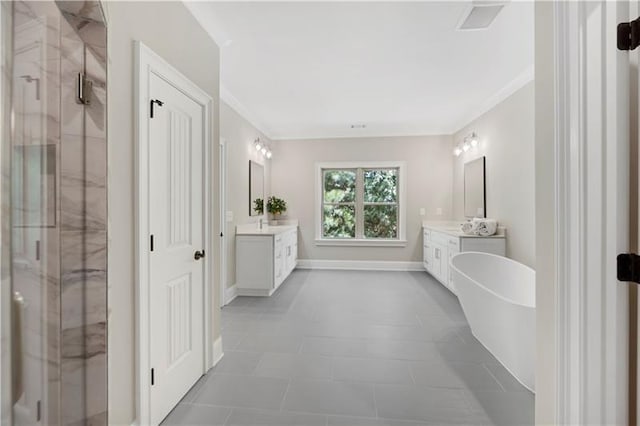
(153, 377)
(629, 267)
(629, 35)
(151, 242)
(221, 234)
(156, 102)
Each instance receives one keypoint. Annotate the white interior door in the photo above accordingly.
(176, 184)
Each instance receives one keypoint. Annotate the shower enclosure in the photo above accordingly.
(53, 207)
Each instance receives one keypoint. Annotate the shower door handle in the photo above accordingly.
(17, 353)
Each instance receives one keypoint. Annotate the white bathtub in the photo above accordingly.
(498, 297)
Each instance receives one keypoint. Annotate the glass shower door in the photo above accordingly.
(35, 220)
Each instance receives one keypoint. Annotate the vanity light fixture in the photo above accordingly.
(474, 140)
(262, 148)
(469, 141)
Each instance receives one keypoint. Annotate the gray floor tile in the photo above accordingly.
(503, 408)
(242, 391)
(329, 346)
(327, 397)
(234, 362)
(332, 346)
(372, 370)
(230, 340)
(190, 396)
(363, 421)
(291, 366)
(192, 415)
(465, 352)
(266, 343)
(454, 375)
(446, 406)
(508, 382)
(251, 417)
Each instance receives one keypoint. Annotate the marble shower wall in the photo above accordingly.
(66, 283)
(84, 219)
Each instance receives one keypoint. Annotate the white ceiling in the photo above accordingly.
(312, 69)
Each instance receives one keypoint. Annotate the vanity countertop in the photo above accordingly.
(254, 229)
(453, 229)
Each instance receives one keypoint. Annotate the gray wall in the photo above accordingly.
(172, 32)
(546, 283)
(506, 136)
(239, 135)
(429, 183)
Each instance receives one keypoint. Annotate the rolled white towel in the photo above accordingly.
(487, 227)
(467, 228)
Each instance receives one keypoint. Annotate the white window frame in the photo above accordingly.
(401, 241)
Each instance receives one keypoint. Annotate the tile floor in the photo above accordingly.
(353, 348)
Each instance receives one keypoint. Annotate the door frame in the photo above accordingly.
(222, 166)
(587, 161)
(148, 62)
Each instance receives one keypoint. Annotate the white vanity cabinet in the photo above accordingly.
(443, 241)
(264, 258)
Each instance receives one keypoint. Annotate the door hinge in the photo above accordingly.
(629, 267)
(38, 411)
(629, 35)
(85, 86)
(151, 242)
(221, 234)
(153, 377)
(155, 102)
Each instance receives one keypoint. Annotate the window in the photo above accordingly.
(360, 204)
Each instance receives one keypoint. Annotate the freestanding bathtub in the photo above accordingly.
(498, 297)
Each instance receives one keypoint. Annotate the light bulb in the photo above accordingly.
(258, 146)
(457, 151)
(474, 140)
(264, 151)
(269, 154)
(465, 147)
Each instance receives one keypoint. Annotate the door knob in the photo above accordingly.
(198, 255)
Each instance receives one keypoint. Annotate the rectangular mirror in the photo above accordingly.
(256, 189)
(474, 188)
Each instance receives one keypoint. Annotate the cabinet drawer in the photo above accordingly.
(439, 238)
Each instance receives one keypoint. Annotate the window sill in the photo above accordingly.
(360, 243)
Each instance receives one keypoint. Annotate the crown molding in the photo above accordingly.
(501, 95)
(239, 107)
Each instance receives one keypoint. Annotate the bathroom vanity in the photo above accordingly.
(443, 240)
(264, 257)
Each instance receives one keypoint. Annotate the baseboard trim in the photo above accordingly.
(360, 265)
(217, 351)
(230, 294)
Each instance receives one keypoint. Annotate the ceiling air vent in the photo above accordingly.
(480, 15)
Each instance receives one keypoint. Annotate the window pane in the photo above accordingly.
(339, 186)
(381, 221)
(339, 222)
(381, 186)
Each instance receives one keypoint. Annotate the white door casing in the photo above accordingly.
(173, 293)
(591, 213)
